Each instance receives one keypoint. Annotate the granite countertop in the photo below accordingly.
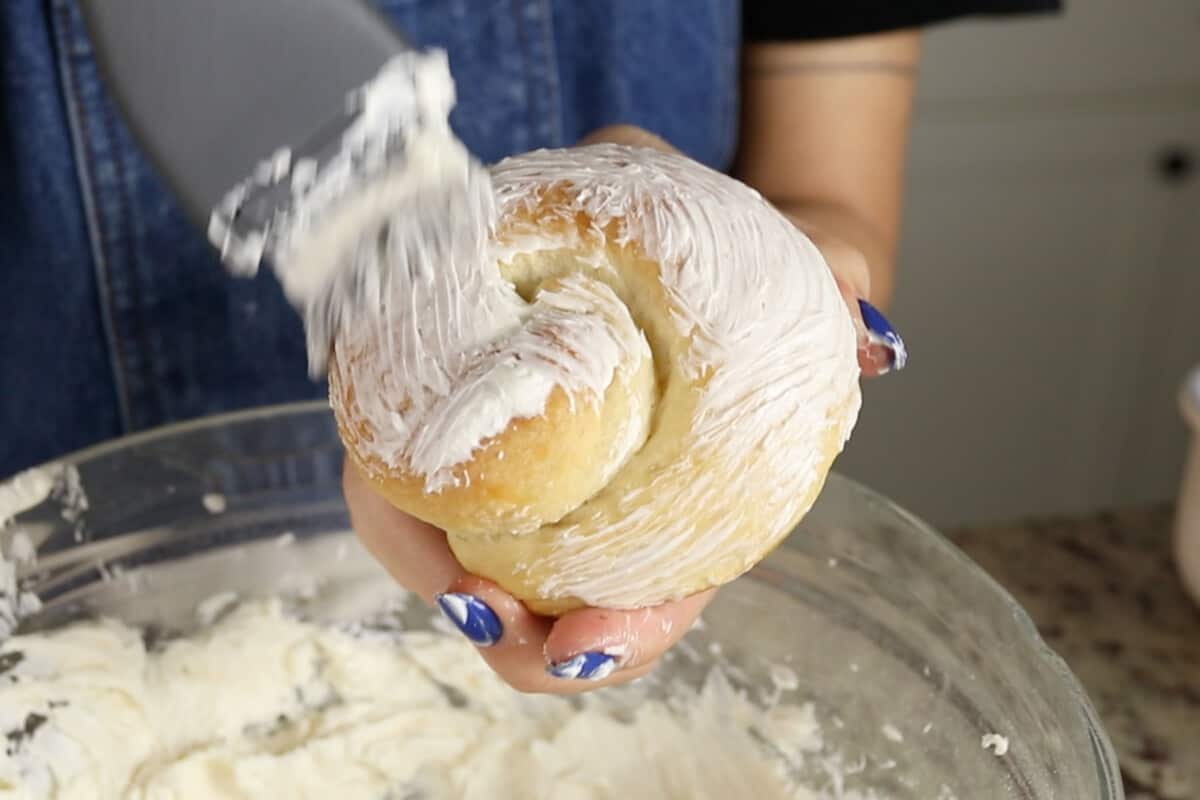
(1104, 592)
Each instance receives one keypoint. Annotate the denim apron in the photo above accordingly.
(114, 313)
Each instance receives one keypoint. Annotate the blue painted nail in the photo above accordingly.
(584, 667)
(472, 616)
(881, 332)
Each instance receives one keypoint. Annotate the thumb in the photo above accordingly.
(880, 348)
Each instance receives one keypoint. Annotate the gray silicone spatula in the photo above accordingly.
(211, 87)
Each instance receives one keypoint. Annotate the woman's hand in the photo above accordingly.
(582, 650)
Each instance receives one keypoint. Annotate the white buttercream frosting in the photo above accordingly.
(399, 164)
(264, 705)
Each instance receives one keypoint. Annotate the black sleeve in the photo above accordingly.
(781, 21)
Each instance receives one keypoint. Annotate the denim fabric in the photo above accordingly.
(114, 313)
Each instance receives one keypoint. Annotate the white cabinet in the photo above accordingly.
(1049, 285)
(1097, 51)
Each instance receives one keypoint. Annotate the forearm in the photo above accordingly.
(824, 134)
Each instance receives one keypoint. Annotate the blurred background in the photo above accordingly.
(1049, 285)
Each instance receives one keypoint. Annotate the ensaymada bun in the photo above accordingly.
(630, 393)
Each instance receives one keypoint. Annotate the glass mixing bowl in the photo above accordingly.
(908, 652)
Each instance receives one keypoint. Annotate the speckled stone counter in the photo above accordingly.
(1105, 595)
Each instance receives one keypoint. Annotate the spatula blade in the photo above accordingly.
(210, 88)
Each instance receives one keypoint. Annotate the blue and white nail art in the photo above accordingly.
(880, 332)
(584, 667)
(472, 616)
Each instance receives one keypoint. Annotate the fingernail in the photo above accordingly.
(472, 616)
(881, 333)
(584, 667)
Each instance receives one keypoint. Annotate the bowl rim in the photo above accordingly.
(1104, 754)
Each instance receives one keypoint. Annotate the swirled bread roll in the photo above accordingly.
(633, 393)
